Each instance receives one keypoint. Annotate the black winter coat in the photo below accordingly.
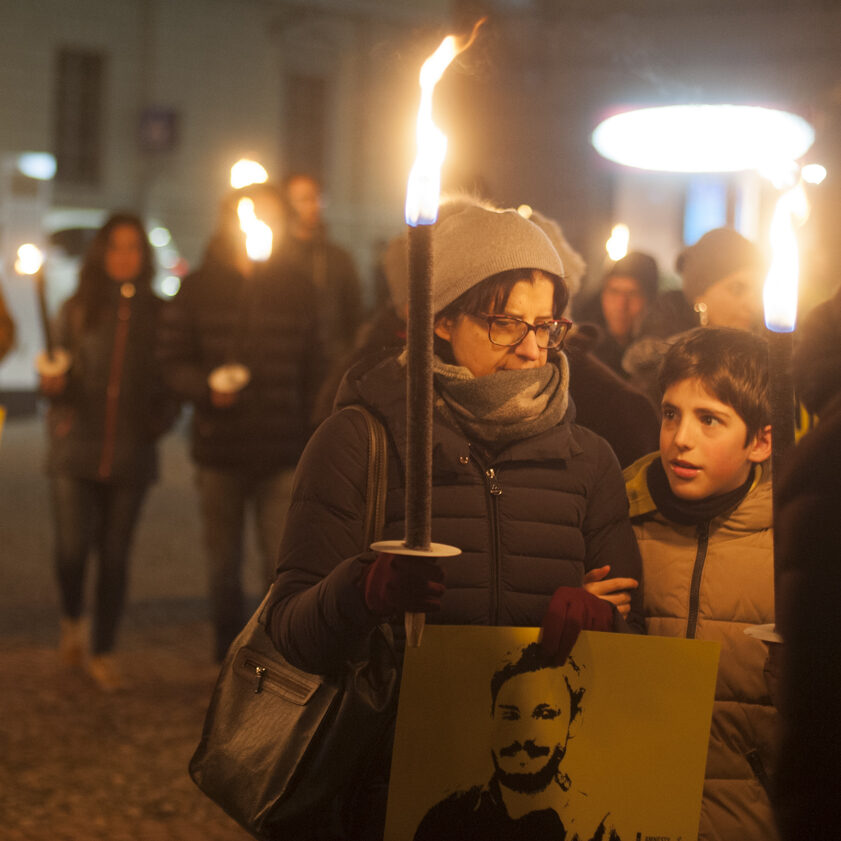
(265, 322)
(104, 425)
(528, 521)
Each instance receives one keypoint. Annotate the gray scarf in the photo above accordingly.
(506, 405)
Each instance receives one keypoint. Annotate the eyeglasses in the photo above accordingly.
(508, 330)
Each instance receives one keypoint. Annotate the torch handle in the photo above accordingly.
(781, 398)
(45, 318)
(419, 390)
(419, 406)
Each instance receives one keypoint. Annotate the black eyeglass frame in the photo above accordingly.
(565, 323)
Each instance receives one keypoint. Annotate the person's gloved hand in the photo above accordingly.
(403, 584)
(571, 610)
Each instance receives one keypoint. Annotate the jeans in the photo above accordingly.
(225, 495)
(100, 516)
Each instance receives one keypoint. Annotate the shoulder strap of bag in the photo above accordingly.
(376, 481)
(376, 488)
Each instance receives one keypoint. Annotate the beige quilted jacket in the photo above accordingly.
(711, 582)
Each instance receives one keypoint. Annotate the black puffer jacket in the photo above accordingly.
(104, 425)
(264, 322)
(535, 517)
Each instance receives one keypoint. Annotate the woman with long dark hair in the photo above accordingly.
(106, 412)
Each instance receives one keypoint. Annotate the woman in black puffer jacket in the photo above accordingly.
(535, 502)
(257, 317)
(106, 412)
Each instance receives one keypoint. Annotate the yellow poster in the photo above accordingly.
(493, 744)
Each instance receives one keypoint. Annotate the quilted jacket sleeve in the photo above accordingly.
(608, 532)
(317, 613)
(178, 351)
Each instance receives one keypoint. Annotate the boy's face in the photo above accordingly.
(702, 443)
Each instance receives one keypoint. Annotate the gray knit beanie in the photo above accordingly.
(718, 254)
(475, 243)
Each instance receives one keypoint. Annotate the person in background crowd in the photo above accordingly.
(104, 417)
(809, 541)
(721, 278)
(701, 511)
(240, 342)
(533, 500)
(329, 268)
(7, 327)
(628, 289)
(604, 402)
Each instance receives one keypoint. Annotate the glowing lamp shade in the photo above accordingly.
(703, 138)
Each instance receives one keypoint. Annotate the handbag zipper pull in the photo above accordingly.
(260, 671)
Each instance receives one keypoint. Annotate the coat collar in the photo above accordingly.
(752, 508)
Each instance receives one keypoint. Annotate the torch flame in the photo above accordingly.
(246, 172)
(258, 235)
(780, 290)
(29, 260)
(617, 245)
(424, 185)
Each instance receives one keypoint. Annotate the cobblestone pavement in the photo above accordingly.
(77, 764)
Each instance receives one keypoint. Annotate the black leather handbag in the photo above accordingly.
(284, 752)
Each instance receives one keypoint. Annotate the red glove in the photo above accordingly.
(403, 584)
(571, 610)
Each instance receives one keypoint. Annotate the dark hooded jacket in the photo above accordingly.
(265, 322)
(528, 520)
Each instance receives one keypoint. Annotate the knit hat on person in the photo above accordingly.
(718, 254)
(475, 243)
(642, 268)
(574, 265)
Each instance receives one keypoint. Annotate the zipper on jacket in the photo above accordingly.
(495, 491)
(112, 393)
(703, 532)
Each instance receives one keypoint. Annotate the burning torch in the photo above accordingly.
(422, 196)
(52, 361)
(229, 379)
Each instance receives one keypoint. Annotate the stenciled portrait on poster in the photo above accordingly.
(493, 742)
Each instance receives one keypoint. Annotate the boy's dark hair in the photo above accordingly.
(732, 365)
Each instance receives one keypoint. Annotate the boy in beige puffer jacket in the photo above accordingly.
(701, 511)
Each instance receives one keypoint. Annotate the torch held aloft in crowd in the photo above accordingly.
(422, 197)
(52, 361)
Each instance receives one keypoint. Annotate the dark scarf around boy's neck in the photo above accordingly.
(687, 512)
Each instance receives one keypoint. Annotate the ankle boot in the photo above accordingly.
(73, 640)
(105, 672)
